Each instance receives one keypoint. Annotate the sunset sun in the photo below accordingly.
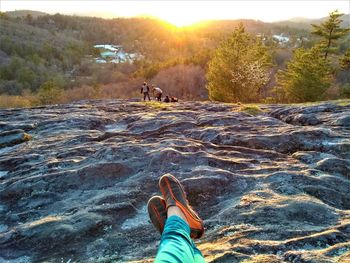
(179, 20)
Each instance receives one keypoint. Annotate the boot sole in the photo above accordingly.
(157, 212)
(195, 223)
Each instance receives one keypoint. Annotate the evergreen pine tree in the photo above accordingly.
(238, 69)
(306, 78)
(345, 60)
(330, 31)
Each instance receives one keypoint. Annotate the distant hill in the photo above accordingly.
(31, 55)
(219, 27)
(345, 18)
(23, 13)
(346, 21)
(300, 20)
(305, 23)
(25, 35)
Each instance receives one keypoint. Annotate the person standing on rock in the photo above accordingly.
(145, 91)
(157, 93)
(177, 222)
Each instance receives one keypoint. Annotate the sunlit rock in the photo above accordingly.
(271, 187)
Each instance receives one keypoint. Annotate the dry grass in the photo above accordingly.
(122, 90)
(7, 101)
(84, 92)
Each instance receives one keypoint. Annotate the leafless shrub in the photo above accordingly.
(182, 81)
(129, 88)
(79, 93)
(122, 90)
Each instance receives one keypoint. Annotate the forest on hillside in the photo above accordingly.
(51, 58)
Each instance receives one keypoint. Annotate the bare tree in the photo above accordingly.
(182, 81)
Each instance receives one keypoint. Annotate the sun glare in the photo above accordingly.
(180, 23)
(178, 18)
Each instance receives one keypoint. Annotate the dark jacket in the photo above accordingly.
(144, 88)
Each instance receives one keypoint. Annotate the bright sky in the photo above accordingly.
(187, 12)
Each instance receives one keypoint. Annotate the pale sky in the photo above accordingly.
(186, 12)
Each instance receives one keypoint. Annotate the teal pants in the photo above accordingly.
(176, 245)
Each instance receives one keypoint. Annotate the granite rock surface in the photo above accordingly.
(75, 180)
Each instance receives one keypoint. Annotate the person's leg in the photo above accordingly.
(198, 257)
(180, 223)
(144, 96)
(176, 244)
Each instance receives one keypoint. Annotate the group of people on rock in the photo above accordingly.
(157, 93)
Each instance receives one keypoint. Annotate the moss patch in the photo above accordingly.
(26, 137)
(251, 109)
(155, 105)
(340, 102)
(343, 103)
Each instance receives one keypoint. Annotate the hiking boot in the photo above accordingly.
(174, 194)
(157, 212)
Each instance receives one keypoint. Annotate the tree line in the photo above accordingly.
(49, 58)
(241, 67)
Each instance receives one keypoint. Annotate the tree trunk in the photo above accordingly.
(329, 43)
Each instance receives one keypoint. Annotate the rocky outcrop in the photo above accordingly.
(270, 188)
